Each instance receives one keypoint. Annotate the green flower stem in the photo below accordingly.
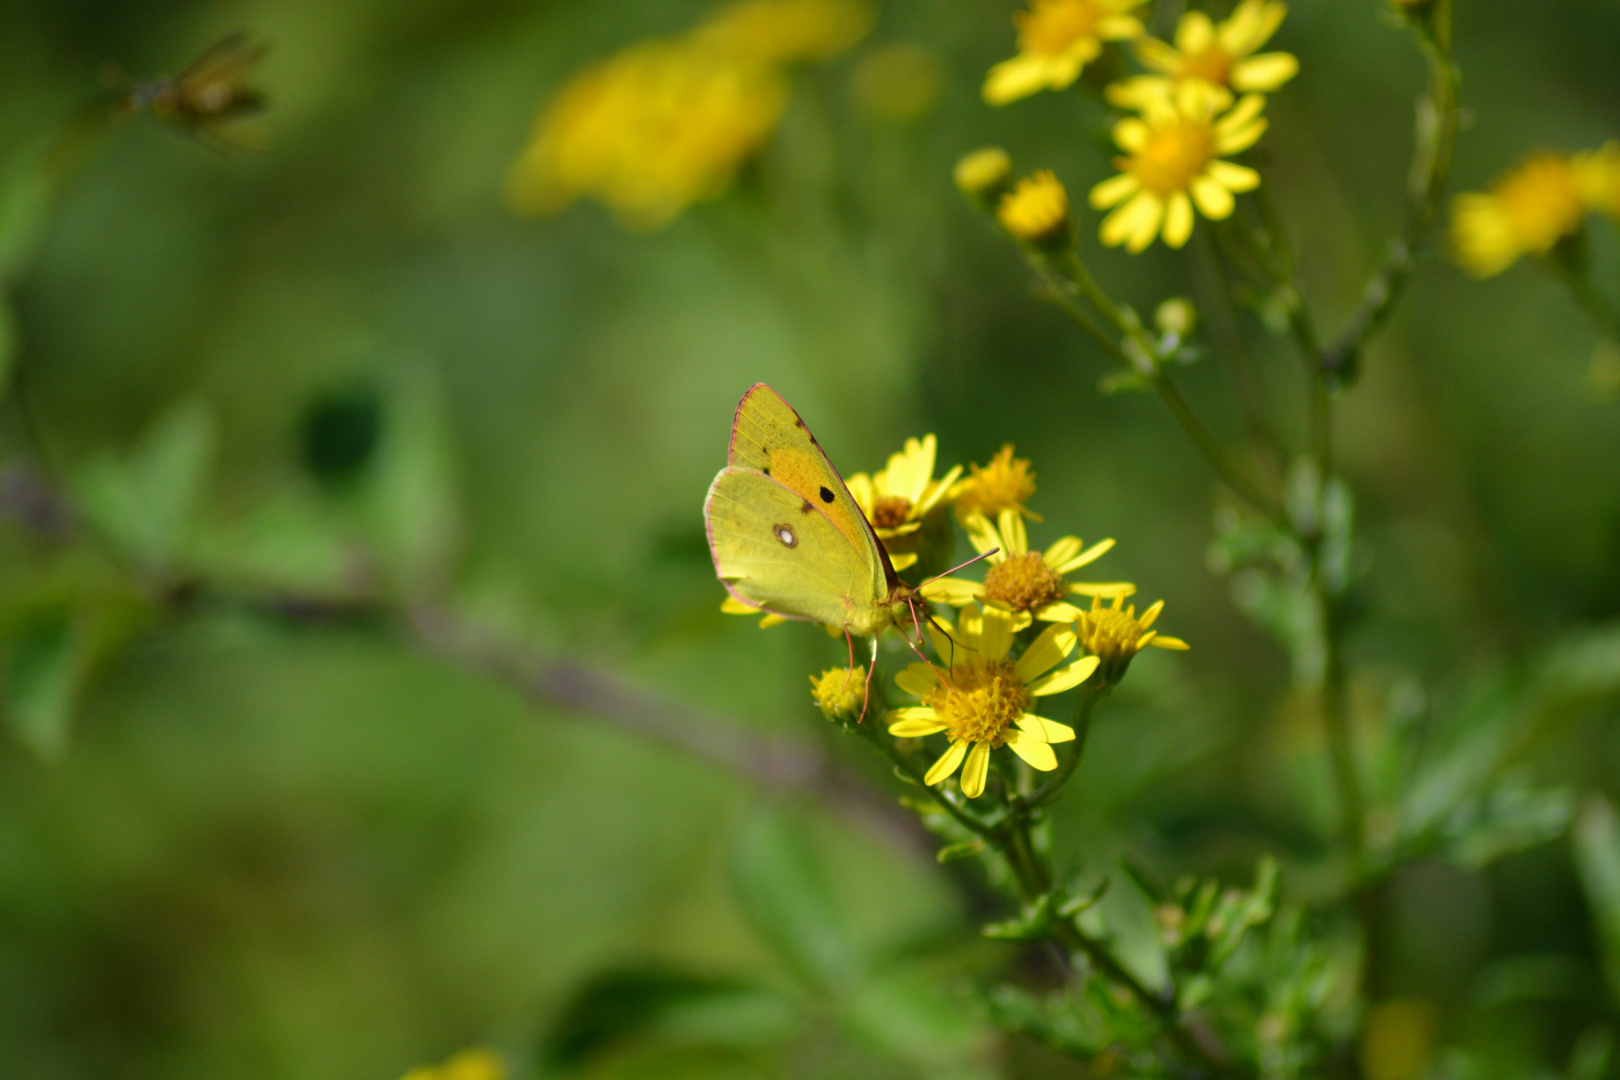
(1336, 719)
(987, 832)
(1431, 174)
(1574, 273)
(1089, 696)
(1068, 281)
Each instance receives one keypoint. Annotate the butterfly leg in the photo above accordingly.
(871, 669)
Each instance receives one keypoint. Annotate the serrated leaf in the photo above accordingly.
(46, 671)
(1597, 858)
(147, 502)
(786, 893)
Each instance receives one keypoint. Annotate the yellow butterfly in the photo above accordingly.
(785, 534)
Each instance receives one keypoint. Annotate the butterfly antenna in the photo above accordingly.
(954, 569)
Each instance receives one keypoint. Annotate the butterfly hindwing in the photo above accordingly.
(776, 550)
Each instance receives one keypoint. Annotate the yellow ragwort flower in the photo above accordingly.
(1525, 211)
(1056, 40)
(1115, 634)
(982, 701)
(668, 122)
(1598, 174)
(786, 31)
(1026, 584)
(476, 1064)
(1217, 55)
(1173, 162)
(1006, 483)
(839, 692)
(648, 132)
(984, 175)
(897, 499)
(1036, 211)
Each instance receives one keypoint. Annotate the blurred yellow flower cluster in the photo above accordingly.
(475, 1064)
(1200, 102)
(1531, 207)
(668, 122)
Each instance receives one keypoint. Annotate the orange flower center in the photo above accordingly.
(1174, 155)
(1212, 65)
(980, 701)
(1050, 27)
(890, 511)
(1024, 583)
(1110, 633)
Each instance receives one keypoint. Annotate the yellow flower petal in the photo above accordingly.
(1046, 652)
(1064, 678)
(1126, 222)
(1149, 616)
(902, 560)
(1239, 139)
(996, 638)
(1132, 135)
(1196, 33)
(1019, 77)
(1120, 28)
(1107, 589)
(1090, 555)
(1031, 749)
(1178, 220)
(947, 763)
(984, 537)
(1058, 612)
(943, 636)
(969, 628)
(1214, 201)
(860, 489)
(1011, 528)
(1061, 552)
(936, 492)
(1265, 73)
(1247, 108)
(1042, 728)
(924, 722)
(1161, 641)
(1233, 177)
(1157, 55)
(1145, 227)
(952, 591)
(973, 773)
(918, 680)
(733, 606)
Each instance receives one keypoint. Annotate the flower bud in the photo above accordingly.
(1177, 316)
(984, 176)
(1036, 212)
(839, 692)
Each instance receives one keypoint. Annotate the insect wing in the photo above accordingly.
(775, 550)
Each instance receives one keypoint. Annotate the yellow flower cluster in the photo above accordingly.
(979, 695)
(1531, 207)
(1199, 102)
(1019, 634)
(668, 122)
(476, 1064)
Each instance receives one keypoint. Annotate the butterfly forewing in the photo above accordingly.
(768, 437)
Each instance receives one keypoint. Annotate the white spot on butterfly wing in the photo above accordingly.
(786, 535)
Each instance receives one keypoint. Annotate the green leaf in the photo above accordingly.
(410, 497)
(147, 502)
(676, 1007)
(10, 341)
(46, 672)
(27, 196)
(908, 1016)
(786, 893)
(1597, 858)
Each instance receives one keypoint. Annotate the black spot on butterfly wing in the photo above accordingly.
(826, 495)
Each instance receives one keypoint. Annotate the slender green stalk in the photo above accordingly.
(1089, 696)
(1598, 307)
(886, 747)
(1068, 280)
(1436, 145)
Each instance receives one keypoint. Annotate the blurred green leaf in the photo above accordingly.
(27, 194)
(148, 501)
(670, 1006)
(787, 895)
(1589, 1060)
(410, 496)
(1597, 858)
(10, 340)
(48, 665)
(910, 1018)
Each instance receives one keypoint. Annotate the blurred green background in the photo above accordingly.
(300, 848)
